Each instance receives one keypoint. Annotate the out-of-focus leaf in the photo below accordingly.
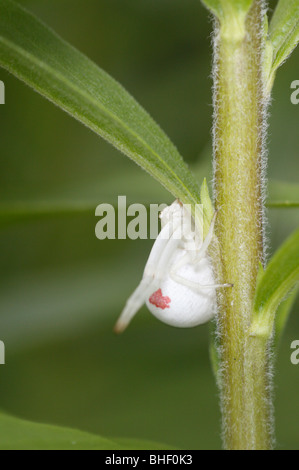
(283, 195)
(283, 314)
(135, 185)
(36, 55)
(17, 434)
(283, 35)
(274, 284)
(287, 204)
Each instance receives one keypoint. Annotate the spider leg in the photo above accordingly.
(207, 241)
(155, 269)
(159, 246)
(195, 285)
(134, 303)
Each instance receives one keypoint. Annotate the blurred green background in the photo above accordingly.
(61, 289)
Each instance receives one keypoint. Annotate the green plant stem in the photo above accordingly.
(238, 140)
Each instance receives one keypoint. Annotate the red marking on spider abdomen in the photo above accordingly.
(159, 301)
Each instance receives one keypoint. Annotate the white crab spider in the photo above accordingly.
(178, 284)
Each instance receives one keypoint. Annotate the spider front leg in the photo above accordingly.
(155, 270)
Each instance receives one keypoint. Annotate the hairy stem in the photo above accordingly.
(238, 140)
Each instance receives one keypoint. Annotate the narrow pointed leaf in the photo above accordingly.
(274, 284)
(283, 34)
(283, 314)
(36, 55)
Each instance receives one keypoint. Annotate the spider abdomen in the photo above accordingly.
(178, 304)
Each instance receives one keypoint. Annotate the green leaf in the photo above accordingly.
(274, 284)
(206, 200)
(17, 434)
(36, 55)
(283, 35)
(283, 314)
(226, 8)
